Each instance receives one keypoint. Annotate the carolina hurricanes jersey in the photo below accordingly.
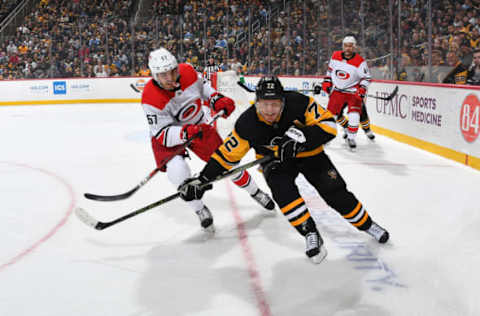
(168, 111)
(347, 74)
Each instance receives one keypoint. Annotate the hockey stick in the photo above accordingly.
(244, 86)
(387, 98)
(123, 196)
(90, 221)
(135, 88)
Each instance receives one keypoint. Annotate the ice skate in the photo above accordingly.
(206, 219)
(263, 199)
(315, 250)
(370, 134)
(352, 145)
(378, 232)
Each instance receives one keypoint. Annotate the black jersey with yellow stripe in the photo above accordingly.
(252, 131)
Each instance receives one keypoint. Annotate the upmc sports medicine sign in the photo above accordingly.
(470, 118)
(443, 115)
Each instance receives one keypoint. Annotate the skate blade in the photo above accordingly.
(210, 229)
(320, 257)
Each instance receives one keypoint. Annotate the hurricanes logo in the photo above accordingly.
(332, 174)
(188, 112)
(342, 74)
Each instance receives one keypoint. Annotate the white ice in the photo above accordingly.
(160, 263)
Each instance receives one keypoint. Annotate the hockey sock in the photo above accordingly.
(299, 217)
(342, 121)
(177, 172)
(365, 125)
(359, 217)
(245, 181)
(353, 121)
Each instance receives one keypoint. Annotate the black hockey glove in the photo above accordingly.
(193, 188)
(270, 167)
(290, 144)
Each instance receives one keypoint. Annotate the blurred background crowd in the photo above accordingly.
(414, 40)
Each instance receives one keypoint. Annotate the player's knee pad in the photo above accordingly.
(178, 170)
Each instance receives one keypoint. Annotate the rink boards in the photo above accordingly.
(442, 119)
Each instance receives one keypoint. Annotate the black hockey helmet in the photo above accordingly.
(269, 87)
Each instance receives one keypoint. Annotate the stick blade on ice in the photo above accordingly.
(85, 217)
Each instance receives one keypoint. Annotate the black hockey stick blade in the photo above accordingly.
(135, 88)
(123, 196)
(108, 198)
(387, 98)
(98, 225)
(244, 86)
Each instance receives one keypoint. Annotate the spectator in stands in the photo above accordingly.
(473, 76)
(96, 27)
(236, 66)
(100, 70)
(458, 75)
(143, 71)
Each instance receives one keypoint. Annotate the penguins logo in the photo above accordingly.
(332, 174)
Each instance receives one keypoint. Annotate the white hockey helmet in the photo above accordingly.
(349, 39)
(161, 60)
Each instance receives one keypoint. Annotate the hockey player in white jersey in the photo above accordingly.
(172, 102)
(347, 80)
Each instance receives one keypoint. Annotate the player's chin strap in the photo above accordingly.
(123, 196)
(91, 221)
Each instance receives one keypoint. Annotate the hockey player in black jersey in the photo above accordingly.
(293, 128)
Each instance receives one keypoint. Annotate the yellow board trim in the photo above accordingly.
(457, 156)
(75, 101)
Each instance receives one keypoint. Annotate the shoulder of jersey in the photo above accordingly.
(154, 95)
(296, 98)
(337, 55)
(246, 122)
(357, 60)
(188, 75)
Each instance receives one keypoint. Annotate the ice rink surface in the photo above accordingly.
(160, 263)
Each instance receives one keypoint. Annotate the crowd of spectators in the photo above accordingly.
(6, 6)
(296, 37)
(69, 39)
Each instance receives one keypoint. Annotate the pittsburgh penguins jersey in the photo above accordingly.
(347, 74)
(252, 131)
(168, 111)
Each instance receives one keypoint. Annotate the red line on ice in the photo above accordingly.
(52, 231)
(247, 252)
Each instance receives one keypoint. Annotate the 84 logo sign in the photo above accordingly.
(470, 118)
